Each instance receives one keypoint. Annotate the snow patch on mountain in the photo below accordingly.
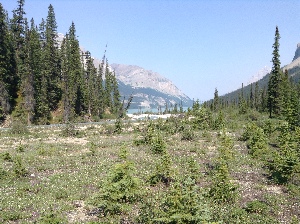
(138, 77)
(259, 75)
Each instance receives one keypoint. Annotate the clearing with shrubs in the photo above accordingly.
(203, 167)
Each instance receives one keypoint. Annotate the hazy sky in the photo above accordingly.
(199, 45)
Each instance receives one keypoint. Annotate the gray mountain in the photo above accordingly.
(297, 53)
(149, 89)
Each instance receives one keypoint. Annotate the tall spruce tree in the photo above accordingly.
(256, 96)
(27, 84)
(50, 91)
(273, 102)
(51, 60)
(8, 76)
(18, 27)
(100, 90)
(263, 99)
(66, 87)
(216, 100)
(108, 89)
(89, 86)
(117, 106)
(71, 76)
(251, 99)
(242, 101)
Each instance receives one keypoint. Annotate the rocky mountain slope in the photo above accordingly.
(293, 71)
(297, 53)
(149, 88)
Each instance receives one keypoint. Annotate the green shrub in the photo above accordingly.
(256, 140)
(118, 126)
(19, 127)
(286, 160)
(12, 216)
(157, 144)
(269, 127)
(187, 134)
(51, 218)
(120, 189)
(182, 203)
(202, 119)
(193, 169)
(20, 148)
(219, 122)
(6, 156)
(69, 130)
(147, 135)
(152, 137)
(222, 190)
(3, 173)
(19, 168)
(257, 207)
(226, 148)
(163, 171)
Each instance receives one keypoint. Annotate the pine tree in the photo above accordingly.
(66, 97)
(99, 91)
(284, 94)
(89, 81)
(256, 96)
(242, 102)
(27, 85)
(49, 91)
(108, 84)
(251, 99)
(274, 81)
(117, 109)
(42, 31)
(71, 76)
(216, 100)
(8, 76)
(263, 99)
(51, 60)
(18, 26)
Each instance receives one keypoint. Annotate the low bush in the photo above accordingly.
(286, 160)
(19, 127)
(163, 171)
(256, 206)
(120, 188)
(19, 168)
(6, 156)
(187, 134)
(181, 203)
(69, 130)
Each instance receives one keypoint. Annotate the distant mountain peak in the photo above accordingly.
(150, 88)
(259, 75)
(139, 77)
(297, 52)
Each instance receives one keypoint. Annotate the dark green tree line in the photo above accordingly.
(42, 79)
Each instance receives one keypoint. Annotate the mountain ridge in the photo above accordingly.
(293, 69)
(149, 89)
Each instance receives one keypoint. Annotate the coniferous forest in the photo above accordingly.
(232, 159)
(44, 81)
